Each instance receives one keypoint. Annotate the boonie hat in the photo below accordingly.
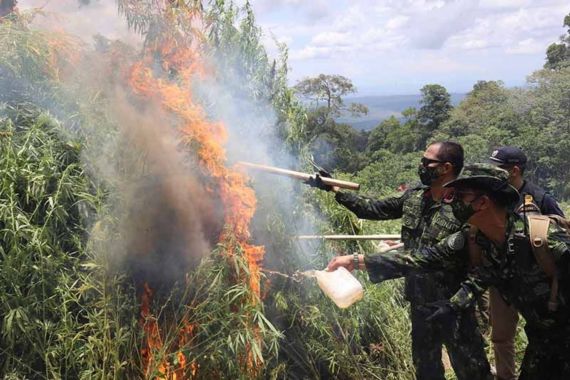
(486, 177)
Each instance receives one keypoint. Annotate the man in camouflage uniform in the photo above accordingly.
(426, 221)
(504, 317)
(484, 198)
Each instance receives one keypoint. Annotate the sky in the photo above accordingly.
(386, 47)
(391, 47)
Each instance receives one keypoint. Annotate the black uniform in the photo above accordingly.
(541, 198)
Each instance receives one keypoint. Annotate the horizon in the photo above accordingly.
(394, 47)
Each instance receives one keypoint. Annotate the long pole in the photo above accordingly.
(300, 175)
(350, 237)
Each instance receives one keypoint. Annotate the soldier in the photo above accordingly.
(483, 197)
(426, 221)
(513, 160)
(504, 317)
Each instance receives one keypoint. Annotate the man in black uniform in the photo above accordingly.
(513, 160)
(426, 220)
(504, 317)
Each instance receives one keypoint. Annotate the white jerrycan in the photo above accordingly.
(340, 286)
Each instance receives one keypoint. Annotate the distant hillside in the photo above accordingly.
(382, 107)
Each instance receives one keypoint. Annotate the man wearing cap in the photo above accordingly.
(504, 317)
(484, 198)
(426, 221)
(513, 160)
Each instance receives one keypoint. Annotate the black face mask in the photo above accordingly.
(462, 211)
(427, 174)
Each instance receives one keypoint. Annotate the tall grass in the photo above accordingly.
(59, 310)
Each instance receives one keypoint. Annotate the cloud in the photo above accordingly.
(433, 63)
(354, 35)
(397, 22)
(315, 52)
(332, 39)
(310, 10)
(528, 46)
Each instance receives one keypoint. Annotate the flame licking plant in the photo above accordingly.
(164, 76)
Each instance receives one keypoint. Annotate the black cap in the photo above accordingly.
(508, 155)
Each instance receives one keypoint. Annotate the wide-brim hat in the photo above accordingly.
(487, 177)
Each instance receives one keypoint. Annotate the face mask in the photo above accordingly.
(427, 175)
(462, 211)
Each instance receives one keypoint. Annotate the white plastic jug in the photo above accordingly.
(340, 286)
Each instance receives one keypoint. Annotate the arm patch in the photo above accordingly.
(456, 241)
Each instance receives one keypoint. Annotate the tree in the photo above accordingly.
(7, 7)
(330, 90)
(435, 108)
(546, 137)
(485, 112)
(558, 54)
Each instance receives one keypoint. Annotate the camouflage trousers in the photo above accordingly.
(463, 342)
(547, 356)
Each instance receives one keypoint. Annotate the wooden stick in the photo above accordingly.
(300, 175)
(350, 237)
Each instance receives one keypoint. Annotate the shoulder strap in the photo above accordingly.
(538, 233)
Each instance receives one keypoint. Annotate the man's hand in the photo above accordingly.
(441, 312)
(391, 243)
(316, 181)
(346, 261)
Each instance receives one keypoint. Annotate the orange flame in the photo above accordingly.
(152, 333)
(210, 137)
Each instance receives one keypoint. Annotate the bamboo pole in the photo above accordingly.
(300, 175)
(350, 237)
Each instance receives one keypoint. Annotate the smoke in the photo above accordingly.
(163, 213)
(252, 136)
(167, 218)
(82, 19)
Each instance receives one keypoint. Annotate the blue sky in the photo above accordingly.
(397, 46)
(385, 46)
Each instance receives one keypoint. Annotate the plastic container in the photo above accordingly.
(340, 286)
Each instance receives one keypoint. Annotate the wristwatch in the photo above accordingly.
(355, 261)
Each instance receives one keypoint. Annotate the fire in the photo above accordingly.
(152, 333)
(210, 137)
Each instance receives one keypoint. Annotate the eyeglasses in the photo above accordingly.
(426, 161)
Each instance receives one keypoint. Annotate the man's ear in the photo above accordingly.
(447, 167)
(516, 171)
(484, 202)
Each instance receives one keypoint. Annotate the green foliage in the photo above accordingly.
(546, 133)
(394, 136)
(62, 316)
(67, 312)
(558, 54)
(333, 145)
(435, 108)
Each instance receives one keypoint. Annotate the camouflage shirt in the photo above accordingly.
(424, 223)
(511, 268)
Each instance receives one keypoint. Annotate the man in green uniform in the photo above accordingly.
(504, 317)
(426, 221)
(483, 198)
